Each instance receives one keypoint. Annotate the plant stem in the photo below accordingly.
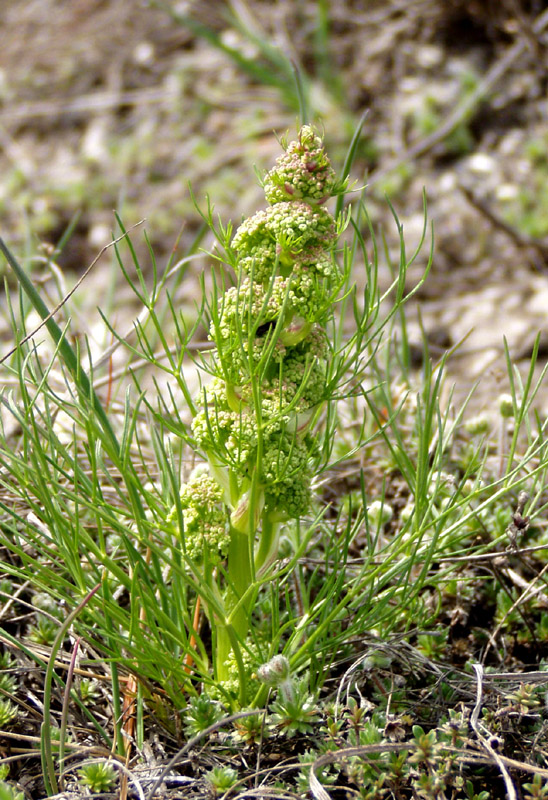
(268, 543)
(237, 612)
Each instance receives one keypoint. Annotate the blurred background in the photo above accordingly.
(137, 107)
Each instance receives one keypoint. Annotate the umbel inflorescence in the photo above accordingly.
(268, 335)
(258, 418)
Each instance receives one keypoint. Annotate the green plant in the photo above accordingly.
(8, 682)
(537, 789)
(257, 568)
(43, 631)
(98, 777)
(327, 775)
(272, 369)
(8, 792)
(295, 710)
(221, 779)
(250, 730)
(111, 512)
(200, 714)
(8, 712)
(473, 795)
(89, 690)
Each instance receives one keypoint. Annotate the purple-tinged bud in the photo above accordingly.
(303, 171)
(275, 671)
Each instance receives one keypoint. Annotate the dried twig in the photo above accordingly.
(529, 591)
(484, 737)
(522, 240)
(195, 740)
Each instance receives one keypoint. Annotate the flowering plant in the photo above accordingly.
(282, 374)
(258, 418)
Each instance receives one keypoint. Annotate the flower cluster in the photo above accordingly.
(302, 173)
(206, 530)
(258, 420)
(271, 348)
(278, 235)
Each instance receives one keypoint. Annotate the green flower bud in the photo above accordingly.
(506, 406)
(379, 513)
(275, 671)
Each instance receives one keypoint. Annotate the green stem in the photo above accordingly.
(222, 651)
(238, 597)
(268, 543)
(237, 613)
(226, 643)
(240, 571)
